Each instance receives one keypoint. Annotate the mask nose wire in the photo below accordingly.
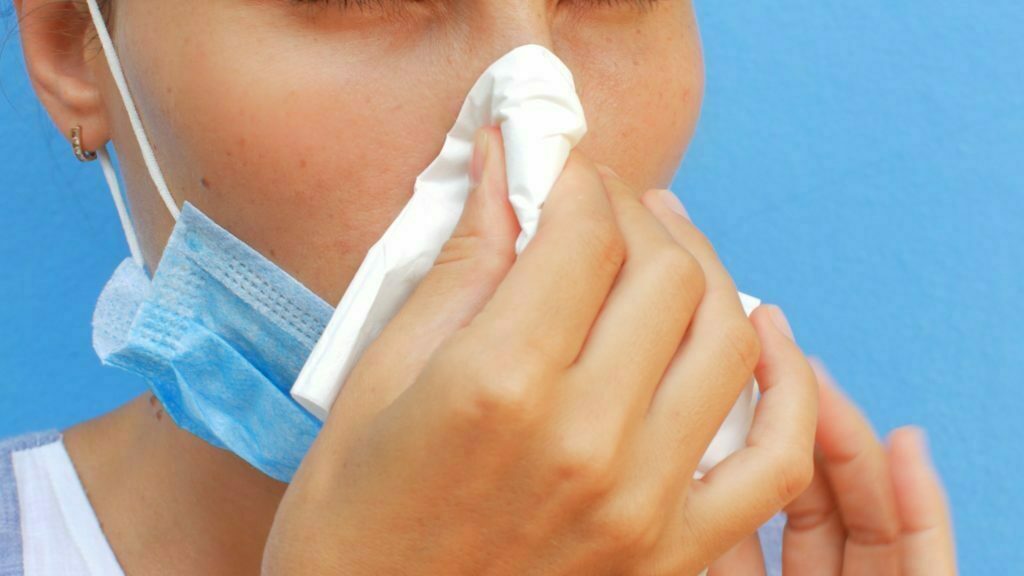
(114, 63)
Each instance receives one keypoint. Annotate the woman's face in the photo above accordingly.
(301, 125)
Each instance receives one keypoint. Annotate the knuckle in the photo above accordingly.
(584, 463)
(490, 399)
(602, 241)
(680, 269)
(485, 259)
(885, 534)
(492, 266)
(739, 339)
(794, 471)
(631, 527)
(538, 352)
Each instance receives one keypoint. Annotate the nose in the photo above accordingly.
(493, 27)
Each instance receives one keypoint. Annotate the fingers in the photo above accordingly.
(743, 559)
(715, 359)
(750, 486)
(465, 274)
(551, 296)
(473, 261)
(856, 466)
(867, 512)
(643, 319)
(814, 538)
(926, 541)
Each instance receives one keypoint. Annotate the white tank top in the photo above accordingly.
(44, 505)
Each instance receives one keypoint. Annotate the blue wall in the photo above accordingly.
(862, 164)
(859, 163)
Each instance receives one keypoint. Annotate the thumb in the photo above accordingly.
(487, 215)
(473, 261)
(468, 270)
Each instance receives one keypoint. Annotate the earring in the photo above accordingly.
(76, 145)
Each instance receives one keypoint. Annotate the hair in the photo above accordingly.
(106, 9)
(7, 9)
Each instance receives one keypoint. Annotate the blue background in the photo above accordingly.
(859, 163)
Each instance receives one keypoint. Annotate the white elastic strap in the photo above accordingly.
(122, 209)
(133, 115)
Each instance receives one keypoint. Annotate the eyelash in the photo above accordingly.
(361, 4)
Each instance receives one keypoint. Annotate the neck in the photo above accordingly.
(170, 503)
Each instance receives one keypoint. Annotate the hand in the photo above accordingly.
(545, 414)
(869, 511)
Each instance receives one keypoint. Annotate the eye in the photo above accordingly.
(637, 4)
(381, 4)
(395, 10)
(361, 4)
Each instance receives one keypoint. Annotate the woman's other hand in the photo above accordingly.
(544, 415)
(871, 510)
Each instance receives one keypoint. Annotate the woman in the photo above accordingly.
(539, 415)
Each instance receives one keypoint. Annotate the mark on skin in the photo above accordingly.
(205, 183)
(155, 404)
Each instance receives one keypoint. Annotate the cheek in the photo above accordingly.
(309, 163)
(306, 164)
(642, 99)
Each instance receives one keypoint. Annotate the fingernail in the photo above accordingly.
(780, 321)
(480, 146)
(673, 203)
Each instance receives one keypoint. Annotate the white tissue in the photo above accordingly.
(530, 93)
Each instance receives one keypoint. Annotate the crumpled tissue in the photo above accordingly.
(531, 95)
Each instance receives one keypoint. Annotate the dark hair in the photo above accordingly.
(8, 28)
(105, 6)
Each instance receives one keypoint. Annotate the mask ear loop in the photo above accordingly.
(114, 63)
(122, 209)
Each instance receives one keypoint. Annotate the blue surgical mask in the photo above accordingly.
(219, 332)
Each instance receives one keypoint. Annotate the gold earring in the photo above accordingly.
(76, 145)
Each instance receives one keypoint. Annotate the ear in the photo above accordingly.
(60, 48)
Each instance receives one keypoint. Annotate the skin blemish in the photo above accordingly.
(302, 163)
(205, 183)
(158, 409)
